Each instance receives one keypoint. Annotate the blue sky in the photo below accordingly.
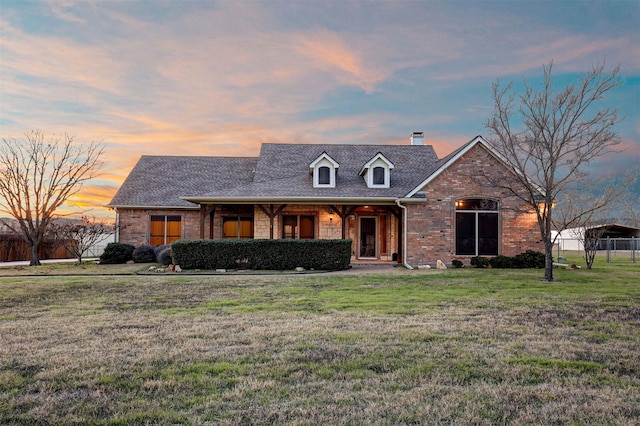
(219, 78)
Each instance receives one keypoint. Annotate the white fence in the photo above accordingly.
(615, 249)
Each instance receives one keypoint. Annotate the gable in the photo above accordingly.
(474, 148)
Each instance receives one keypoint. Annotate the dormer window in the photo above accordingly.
(324, 175)
(376, 172)
(378, 175)
(324, 169)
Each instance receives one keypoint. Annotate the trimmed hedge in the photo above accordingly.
(262, 254)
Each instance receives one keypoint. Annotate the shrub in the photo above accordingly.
(143, 254)
(164, 256)
(479, 262)
(262, 254)
(117, 253)
(529, 259)
(457, 263)
(501, 261)
(158, 250)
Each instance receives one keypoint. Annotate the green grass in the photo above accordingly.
(462, 346)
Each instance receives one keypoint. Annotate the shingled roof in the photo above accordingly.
(160, 181)
(280, 172)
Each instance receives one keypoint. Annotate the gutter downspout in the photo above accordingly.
(116, 236)
(404, 236)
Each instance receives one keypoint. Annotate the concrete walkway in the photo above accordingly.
(45, 261)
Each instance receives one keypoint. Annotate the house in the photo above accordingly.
(398, 203)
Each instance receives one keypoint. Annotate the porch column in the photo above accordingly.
(397, 213)
(271, 214)
(343, 213)
(205, 210)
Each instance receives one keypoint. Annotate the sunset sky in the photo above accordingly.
(220, 78)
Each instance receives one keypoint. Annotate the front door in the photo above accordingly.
(368, 238)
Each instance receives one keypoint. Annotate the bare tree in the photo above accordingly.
(586, 208)
(547, 136)
(79, 236)
(37, 177)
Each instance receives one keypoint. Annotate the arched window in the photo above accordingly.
(324, 175)
(477, 227)
(378, 176)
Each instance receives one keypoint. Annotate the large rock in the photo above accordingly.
(440, 265)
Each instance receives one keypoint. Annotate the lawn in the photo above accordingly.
(460, 346)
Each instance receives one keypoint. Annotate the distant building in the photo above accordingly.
(571, 239)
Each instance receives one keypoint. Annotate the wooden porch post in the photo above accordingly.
(343, 213)
(271, 214)
(205, 210)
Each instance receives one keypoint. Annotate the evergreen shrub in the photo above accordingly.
(262, 254)
(457, 263)
(529, 259)
(117, 253)
(164, 256)
(143, 254)
(158, 250)
(501, 262)
(479, 261)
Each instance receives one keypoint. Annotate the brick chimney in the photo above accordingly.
(417, 138)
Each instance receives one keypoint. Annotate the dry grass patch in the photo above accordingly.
(481, 347)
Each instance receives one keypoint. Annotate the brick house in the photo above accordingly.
(398, 203)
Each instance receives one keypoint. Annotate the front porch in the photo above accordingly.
(376, 230)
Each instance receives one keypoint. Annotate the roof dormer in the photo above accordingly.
(324, 169)
(376, 172)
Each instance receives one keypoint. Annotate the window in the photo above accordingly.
(324, 175)
(164, 230)
(378, 175)
(477, 227)
(237, 227)
(294, 227)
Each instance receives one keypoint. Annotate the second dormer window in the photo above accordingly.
(378, 175)
(376, 172)
(324, 175)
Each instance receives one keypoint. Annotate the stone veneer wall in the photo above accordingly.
(134, 224)
(431, 224)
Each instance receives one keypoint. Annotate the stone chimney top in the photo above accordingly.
(417, 138)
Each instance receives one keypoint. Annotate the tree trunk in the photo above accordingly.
(548, 264)
(35, 255)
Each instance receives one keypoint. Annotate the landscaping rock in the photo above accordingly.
(177, 268)
(221, 270)
(299, 269)
(440, 265)
(424, 267)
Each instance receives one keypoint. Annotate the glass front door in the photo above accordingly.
(368, 237)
